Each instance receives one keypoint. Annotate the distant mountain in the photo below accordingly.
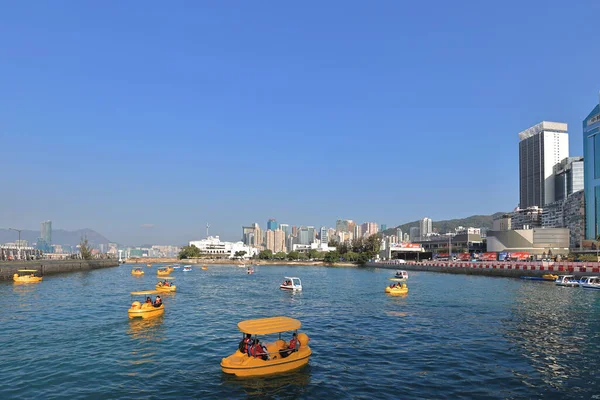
(475, 221)
(59, 236)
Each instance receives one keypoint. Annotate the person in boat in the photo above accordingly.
(157, 301)
(293, 346)
(148, 300)
(245, 344)
(259, 351)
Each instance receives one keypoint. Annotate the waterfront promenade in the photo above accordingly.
(509, 269)
(48, 267)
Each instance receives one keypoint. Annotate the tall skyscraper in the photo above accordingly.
(541, 147)
(324, 235)
(383, 227)
(46, 231)
(591, 171)
(272, 224)
(406, 237)
(426, 227)
(286, 229)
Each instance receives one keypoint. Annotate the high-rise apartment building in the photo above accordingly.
(272, 224)
(252, 235)
(541, 147)
(46, 231)
(399, 235)
(275, 240)
(324, 235)
(426, 227)
(591, 171)
(406, 237)
(344, 225)
(369, 228)
(383, 227)
(357, 231)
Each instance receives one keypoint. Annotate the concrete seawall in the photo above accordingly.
(48, 267)
(503, 269)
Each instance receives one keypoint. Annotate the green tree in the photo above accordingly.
(302, 256)
(313, 253)
(332, 243)
(358, 245)
(343, 248)
(293, 255)
(351, 256)
(189, 252)
(266, 255)
(280, 255)
(85, 249)
(332, 257)
(239, 254)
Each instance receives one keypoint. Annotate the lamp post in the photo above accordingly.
(19, 241)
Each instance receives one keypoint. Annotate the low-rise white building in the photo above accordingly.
(213, 246)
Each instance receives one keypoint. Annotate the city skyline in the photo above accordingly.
(145, 142)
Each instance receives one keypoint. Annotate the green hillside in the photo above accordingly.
(475, 221)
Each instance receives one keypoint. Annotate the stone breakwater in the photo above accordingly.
(497, 268)
(48, 267)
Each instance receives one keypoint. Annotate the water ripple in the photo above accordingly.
(452, 336)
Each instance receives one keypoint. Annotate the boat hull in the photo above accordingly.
(568, 284)
(286, 287)
(243, 365)
(137, 273)
(27, 279)
(146, 312)
(395, 291)
(590, 287)
(162, 288)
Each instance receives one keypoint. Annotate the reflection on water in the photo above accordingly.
(288, 385)
(148, 329)
(553, 328)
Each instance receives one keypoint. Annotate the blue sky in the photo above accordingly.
(118, 114)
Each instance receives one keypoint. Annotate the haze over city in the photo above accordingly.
(145, 123)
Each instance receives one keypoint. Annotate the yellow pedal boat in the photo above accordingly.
(282, 357)
(204, 267)
(27, 276)
(148, 265)
(137, 271)
(163, 272)
(146, 309)
(550, 277)
(166, 286)
(397, 289)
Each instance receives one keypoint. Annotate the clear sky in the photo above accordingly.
(118, 115)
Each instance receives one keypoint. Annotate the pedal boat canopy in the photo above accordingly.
(265, 326)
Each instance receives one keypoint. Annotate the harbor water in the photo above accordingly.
(452, 336)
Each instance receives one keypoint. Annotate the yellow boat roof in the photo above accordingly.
(263, 326)
(145, 292)
(28, 270)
